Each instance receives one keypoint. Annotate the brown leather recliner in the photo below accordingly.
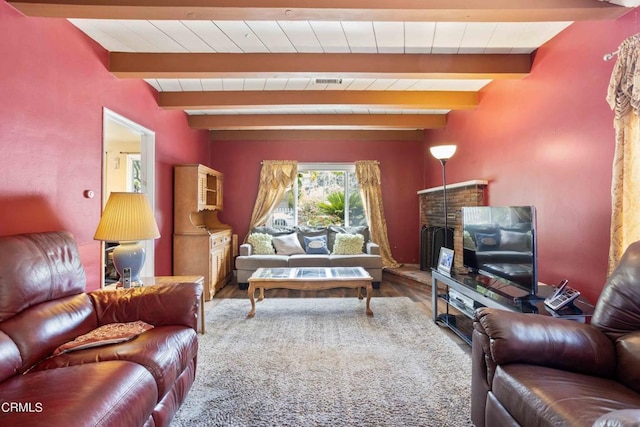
(43, 304)
(531, 370)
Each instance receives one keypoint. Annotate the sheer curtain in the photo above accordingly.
(624, 98)
(276, 176)
(368, 176)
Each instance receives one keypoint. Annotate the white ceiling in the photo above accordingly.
(318, 37)
(254, 64)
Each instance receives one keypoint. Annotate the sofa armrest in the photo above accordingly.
(245, 249)
(159, 305)
(509, 337)
(373, 248)
(619, 418)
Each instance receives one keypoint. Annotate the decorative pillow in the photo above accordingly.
(487, 242)
(335, 229)
(274, 231)
(316, 245)
(514, 241)
(348, 244)
(262, 243)
(111, 333)
(306, 231)
(287, 244)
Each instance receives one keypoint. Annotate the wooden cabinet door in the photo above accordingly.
(213, 271)
(202, 190)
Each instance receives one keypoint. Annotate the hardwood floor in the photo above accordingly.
(407, 281)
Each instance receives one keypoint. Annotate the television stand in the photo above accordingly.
(456, 297)
(530, 299)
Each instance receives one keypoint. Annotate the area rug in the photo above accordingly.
(323, 362)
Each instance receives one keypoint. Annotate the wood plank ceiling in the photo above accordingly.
(320, 64)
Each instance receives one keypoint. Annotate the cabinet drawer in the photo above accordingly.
(220, 239)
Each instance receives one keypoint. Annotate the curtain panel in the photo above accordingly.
(276, 177)
(623, 97)
(368, 177)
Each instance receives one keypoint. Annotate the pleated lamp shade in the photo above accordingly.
(127, 217)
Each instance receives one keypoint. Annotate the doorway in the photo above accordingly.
(128, 164)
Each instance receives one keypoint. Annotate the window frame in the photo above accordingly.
(326, 167)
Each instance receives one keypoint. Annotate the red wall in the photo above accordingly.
(401, 166)
(548, 141)
(53, 86)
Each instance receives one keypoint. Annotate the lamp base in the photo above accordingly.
(129, 255)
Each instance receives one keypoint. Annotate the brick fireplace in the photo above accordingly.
(468, 193)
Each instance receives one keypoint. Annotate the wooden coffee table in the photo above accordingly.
(309, 278)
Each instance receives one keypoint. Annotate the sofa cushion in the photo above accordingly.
(10, 360)
(348, 244)
(362, 260)
(52, 262)
(160, 305)
(164, 351)
(552, 394)
(254, 262)
(262, 243)
(91, 394)
(628, 363)
(309, 261)
(274, 231)
(316, 245)
(287, 244)
(39, 330)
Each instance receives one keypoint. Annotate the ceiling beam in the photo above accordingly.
(317, 135)
(331, 10)
(317, 121)
(312, 65)
(218, 100)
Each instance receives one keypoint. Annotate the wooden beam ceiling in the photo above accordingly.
(325, 65)
(333, 10)
(317, 135)
(355, 65)
(217, 100)
(318, 121)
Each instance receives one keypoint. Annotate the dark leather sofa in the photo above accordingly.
(534, 370)
(43, 304)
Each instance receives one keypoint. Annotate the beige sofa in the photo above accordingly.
(247, 262)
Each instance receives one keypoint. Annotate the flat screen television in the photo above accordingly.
(500, 242)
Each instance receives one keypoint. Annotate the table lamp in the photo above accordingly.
(127, 218)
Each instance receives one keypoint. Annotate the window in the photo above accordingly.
(134, 178)
(324, 194)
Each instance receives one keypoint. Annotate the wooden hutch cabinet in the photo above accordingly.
(202, 245)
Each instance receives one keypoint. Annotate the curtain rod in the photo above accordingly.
(609, 56)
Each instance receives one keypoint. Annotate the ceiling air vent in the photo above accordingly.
(328, 81)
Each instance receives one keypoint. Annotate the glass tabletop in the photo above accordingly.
(311, 273)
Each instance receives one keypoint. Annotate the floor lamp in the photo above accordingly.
(444, 153)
